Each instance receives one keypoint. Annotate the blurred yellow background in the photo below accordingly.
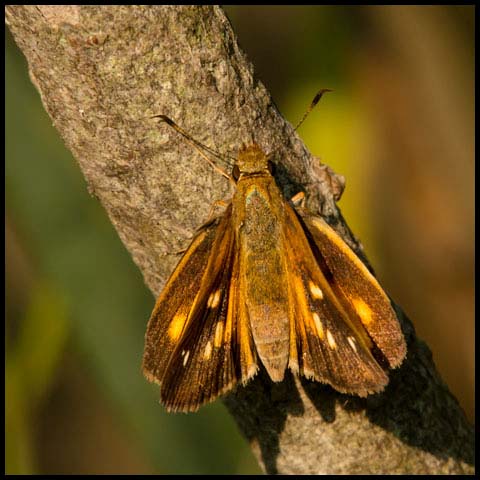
(399, 126)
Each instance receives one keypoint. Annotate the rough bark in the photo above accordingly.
(102, 72)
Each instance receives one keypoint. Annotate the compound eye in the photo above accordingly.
(236, 173)
(271, 167)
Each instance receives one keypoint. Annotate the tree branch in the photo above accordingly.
(102, 72)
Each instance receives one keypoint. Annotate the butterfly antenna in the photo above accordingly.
(195, 144)
(316, 99)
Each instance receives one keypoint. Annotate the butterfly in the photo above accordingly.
(268, 284)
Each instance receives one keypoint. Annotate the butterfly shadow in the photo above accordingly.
(261, 409)
(416, 407)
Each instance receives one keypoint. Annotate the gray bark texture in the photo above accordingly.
(102, 72)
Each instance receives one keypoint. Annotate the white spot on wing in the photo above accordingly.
(351, 341)
(218, 334)
(185, 359)
(331, 340)
(318, 324)
(317, 293)
(213, 299)
(208, 351)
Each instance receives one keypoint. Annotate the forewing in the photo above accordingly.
(327, 343)
(172, 307)
(208, 358)
(358, 289)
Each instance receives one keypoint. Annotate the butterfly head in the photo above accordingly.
(251, 160)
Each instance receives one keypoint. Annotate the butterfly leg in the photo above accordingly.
(211, 216)
(215, 204)
(298, 199)
(176, 252)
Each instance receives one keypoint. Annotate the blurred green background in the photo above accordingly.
(399, 126)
